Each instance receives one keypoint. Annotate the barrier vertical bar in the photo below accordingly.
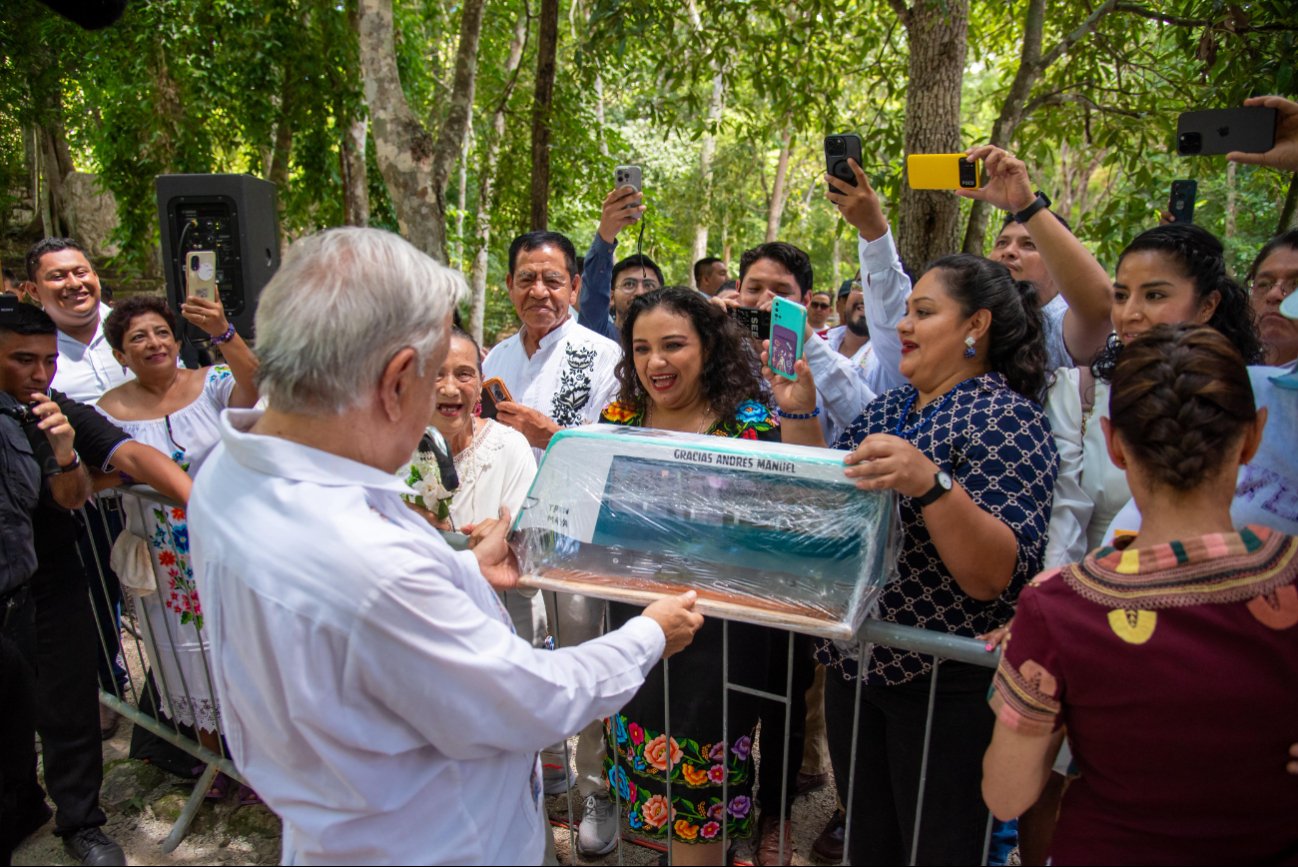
(861, 664)
(923, 765)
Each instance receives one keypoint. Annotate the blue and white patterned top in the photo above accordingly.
(996, 444)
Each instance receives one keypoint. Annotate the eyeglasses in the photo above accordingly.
(631, 284)
(819, 305)
(1263, 287)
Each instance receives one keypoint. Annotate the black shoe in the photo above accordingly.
(829, 845)
(92, 846)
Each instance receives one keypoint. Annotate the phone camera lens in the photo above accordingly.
(835, 146)
(1189, 143)
(193, 263)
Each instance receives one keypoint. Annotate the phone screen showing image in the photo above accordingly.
(788, 322)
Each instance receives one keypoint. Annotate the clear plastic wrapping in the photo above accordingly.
(766, 533)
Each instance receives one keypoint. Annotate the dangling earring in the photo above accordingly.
(969, 347)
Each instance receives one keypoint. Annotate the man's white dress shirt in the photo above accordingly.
(372, 690)
(570, 377)
(86, 371)
(844, 387)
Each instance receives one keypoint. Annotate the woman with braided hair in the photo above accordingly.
(1170, 660)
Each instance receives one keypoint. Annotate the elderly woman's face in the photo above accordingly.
(458, 386)
(148, 345)
(668, 357)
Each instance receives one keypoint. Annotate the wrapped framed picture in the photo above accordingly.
(765, 533)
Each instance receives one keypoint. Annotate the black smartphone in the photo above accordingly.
(1181, 203)
(756, 322)
(493, 392)
(1250, 129)
(838, 149)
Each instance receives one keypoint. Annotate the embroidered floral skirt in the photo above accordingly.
(712, 771)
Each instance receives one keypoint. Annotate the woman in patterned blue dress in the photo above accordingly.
(968, 450)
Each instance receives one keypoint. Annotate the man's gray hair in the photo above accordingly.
(344, 302)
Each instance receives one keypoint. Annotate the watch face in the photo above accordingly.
(944, 480)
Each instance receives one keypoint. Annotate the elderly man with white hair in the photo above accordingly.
(378, 699)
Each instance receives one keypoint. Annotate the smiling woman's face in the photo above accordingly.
(459, 384)
(148, 344)
(1150, 289)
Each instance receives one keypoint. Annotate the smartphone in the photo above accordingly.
(493, 392)
(838, 149)
(200, 274)
(1181, 203)
(788, 324)
(943, 172)
(628, 176)
(757, 323)
(1250, 128)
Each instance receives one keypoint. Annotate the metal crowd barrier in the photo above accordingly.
(145, 649)
(940, 647)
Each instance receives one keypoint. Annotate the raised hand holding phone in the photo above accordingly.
(1283, 154)
(1007, 185)
(788, 325)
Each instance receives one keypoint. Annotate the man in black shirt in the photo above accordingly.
(54, 626)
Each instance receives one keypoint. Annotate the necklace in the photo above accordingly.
(925, 415)
(704, 426)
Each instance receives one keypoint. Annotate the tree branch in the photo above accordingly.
(450, 138)
(1079, 33)
(1179, 21)
(902, 10)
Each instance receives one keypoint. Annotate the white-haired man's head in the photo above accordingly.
(343, 303)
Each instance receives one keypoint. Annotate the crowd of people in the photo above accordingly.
(1094, 473)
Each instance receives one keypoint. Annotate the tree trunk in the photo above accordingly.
(415, 165)
(779, 189)
(707, 150)
(1032, 62)
(1289, 210)
(462, 203)
(1231, 200)
(487, 181)
(547, 49)
(356, 190)
(937, 32)
(1011, 113)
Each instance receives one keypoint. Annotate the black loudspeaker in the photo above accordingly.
(233, 216)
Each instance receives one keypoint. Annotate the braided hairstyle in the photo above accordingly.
(729, 376)
(1015, 342)
(1199, 256)
(1181, 400)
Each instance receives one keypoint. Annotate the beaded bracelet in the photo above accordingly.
(226, 337)
(797, 416)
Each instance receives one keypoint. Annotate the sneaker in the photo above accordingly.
(556, 780)
(597, 835)
(92, 846)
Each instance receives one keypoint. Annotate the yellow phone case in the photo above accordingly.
(942, 172)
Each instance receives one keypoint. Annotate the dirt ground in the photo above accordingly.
(142, 802)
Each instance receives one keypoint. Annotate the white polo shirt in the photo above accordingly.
(86, 371)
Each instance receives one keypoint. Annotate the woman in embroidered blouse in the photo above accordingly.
(967, 448)
(176, 410)
(1170, 661)
(494, 463)
(685, 368)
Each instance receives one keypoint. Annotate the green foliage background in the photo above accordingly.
(204, 86)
